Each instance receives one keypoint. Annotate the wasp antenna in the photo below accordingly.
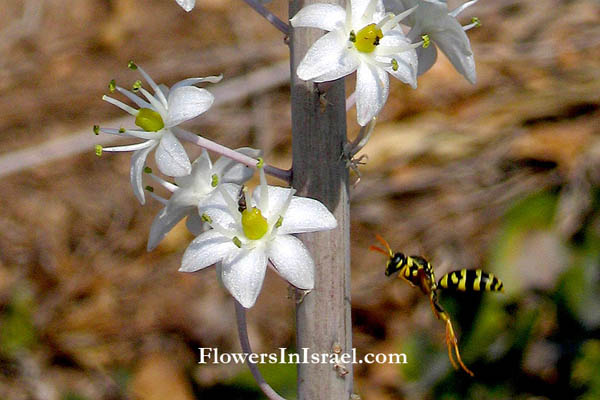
(379, 250)
(390, 252)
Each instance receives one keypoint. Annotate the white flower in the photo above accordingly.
(187, 5)
(361, 38)
(156, 115)
(433, 19)
(198, 190)
(244, 242)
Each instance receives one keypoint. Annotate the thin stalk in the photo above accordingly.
(269, 16)
(240, 314)
(284, 175)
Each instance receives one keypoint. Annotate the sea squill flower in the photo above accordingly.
(158, 113)
(244, 242)
(433, 19)
(201, 190)
(361, 38)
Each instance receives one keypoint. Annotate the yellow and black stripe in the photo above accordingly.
(471, 280)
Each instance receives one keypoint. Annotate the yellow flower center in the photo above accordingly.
(149, 120)
(367, 38)
(254, 224)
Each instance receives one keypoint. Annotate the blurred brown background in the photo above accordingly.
(502, 175)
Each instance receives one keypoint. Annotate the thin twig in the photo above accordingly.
(269, 16)
(227, 152)
(240, 314)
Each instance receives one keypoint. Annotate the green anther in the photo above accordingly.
(215, 180)
(476, 21)
(131, 65)
(206, 218)
(426, 41)
(236, 240)
(148, 170)
(98, 150)
(136, 85)
(260, 162)
(368, 38)
(121, 130)
(96, 129)
(149, 120)
(352, 37)
(279, 222)
(150, 189)
(254, 224)
(112, 85)
(394, 64)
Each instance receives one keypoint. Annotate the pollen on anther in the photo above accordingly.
(131, 65)
(214, 180)
(279, 222)
(96, 129)
(206, 218)
(136, 85)
(426, 41)
(98, 150)
(112, 85)
(236, 240)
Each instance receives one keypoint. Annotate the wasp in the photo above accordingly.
(418, 272)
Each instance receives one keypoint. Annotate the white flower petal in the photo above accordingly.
(323, 16)
(455, 44)
(187, 102)
(138, 160)
(306, 215)
(323, 56)
(170, 156)
(187, 5)
(358, 12)
(292, 261)
(346, 65)
(454, 13)
(407, 68)
(208, 248)
(195, 224)
(277, 198)
(243, 274)
(201, 176)
(164, 222)
(182, 198)
(427, 58)
(372, 89)
(233, 171)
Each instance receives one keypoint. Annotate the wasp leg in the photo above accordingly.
(452, 342)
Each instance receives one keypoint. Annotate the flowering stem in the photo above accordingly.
(350, 101)
(269, 16)
(240, 314)
(209, 145)
(323, 320)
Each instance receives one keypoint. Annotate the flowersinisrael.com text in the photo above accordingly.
(212, 355)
